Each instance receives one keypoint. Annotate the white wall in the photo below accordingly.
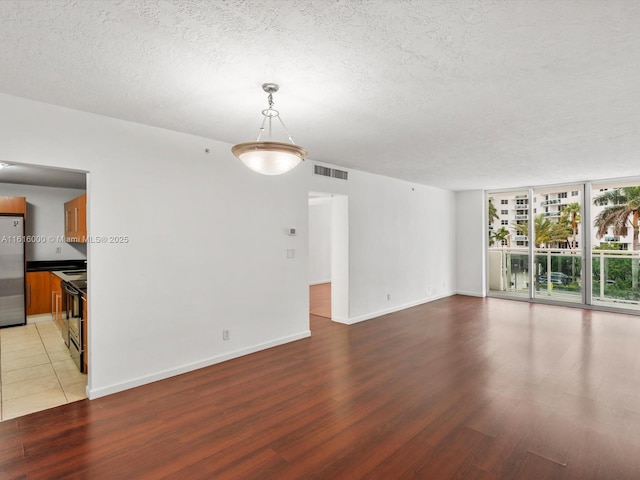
(401, 244)
(45, 219)
(470, 243)
(207, 246)
(208, 242)
(340, 258)
(320, 212)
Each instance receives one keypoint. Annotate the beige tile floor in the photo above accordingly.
(36, 370)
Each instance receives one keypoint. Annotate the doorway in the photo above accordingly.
(36, 369)
(328, 256)
(320, 300)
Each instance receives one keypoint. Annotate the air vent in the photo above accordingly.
(330, 172)
(320, 170)
(341, 174)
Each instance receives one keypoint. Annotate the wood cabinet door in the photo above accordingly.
(81, 205)
(75, 219)
(38, 289)
(69, 220)
(56, 299)
(13, 205)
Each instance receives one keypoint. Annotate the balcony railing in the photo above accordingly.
(551, 202)
(613, 272)
(522, 217)
(558, 273)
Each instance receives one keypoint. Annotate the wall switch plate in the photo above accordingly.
(291, 253)
(225, 335)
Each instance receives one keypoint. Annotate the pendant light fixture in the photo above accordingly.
(268, 157)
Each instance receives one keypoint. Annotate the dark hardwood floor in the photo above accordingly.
(461, 387)
(320, 300)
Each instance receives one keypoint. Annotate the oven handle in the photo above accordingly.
(70, 290)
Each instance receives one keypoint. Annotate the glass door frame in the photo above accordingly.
(584, 240)
(586, 249)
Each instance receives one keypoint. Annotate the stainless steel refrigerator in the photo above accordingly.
(12, 271)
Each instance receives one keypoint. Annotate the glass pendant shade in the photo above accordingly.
(269, 157)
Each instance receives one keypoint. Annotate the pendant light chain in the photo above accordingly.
(286, 130)
(269, 113)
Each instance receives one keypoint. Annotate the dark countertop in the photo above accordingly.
(52, 265)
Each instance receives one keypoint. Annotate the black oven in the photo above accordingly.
(72, 322)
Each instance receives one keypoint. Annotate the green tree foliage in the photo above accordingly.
(608, 246)
(493, 213)
(547, 231)
(500, 235)
(571, 216)
(622, 211)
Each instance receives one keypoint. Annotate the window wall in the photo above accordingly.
(616, 250)
(508, 252)
(557, 246)
(567, 244)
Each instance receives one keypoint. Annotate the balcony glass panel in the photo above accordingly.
(557, 259)
(616, 251)
(508, 264)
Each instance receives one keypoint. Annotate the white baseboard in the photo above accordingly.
(470, 294)
(341, 320)
(320, 282)
(386, 311)
(93, 393)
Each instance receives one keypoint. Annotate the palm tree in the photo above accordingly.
(622, 210)
(546, 231)
(493, 215)
(493, 212)
(500, 235)
(571, 215)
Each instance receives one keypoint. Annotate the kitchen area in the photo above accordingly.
(43, 296)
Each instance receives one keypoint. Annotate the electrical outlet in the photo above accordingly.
(225, 335)
(388, 297)
(58, 249)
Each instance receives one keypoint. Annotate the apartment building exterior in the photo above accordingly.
(513, 208)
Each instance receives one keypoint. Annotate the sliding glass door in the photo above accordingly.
(568, 244)
(616, 252)
(508, 253)
(557, 233)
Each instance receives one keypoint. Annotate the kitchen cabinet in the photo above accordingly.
(56, 299)
(85, 327)
(13, 205)
(75, 220)
(38, 289)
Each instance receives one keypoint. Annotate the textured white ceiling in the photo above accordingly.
(458, 94)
